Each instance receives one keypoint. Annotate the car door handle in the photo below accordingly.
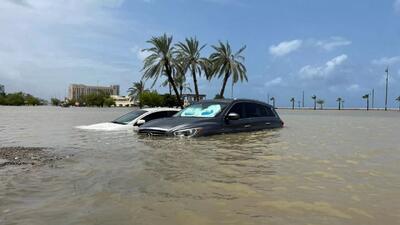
(247, 125)
(267, 123)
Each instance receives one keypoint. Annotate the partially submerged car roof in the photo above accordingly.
(157, 109)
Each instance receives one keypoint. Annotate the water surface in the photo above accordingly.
(324, 167)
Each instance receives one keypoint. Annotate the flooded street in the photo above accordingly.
(323, 167)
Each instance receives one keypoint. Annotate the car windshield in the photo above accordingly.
(125, 119)
(202, 110)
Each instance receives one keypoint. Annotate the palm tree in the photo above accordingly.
(320, 102)
(339, 100)
(292, 101)
(273, 101)
(180, 81)
(160, 62)
(136, 90)
(367, 98)
(189, 54)
(398, 99)
(226, 64)
(314, 97)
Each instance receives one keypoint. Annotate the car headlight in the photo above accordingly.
(187, 132)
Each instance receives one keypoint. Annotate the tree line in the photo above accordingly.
(99, 99)
(20, 98)
(175, 61)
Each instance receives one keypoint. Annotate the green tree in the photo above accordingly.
(2, 99)
(367, 99)
(94, 99)
(169, 101)
(15, 99)
(160, 61)
(321, 102)
(108, 101)
(189, 53)
(292, 100)
(136, 90)
(339, 100)
(217, 96)
(151, 99)
(55, 101)
(314, 97)
(225, 64)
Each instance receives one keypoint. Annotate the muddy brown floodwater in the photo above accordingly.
(323, 167)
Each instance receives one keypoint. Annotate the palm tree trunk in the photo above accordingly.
(172, 83)
(315, 104)
(221, 94)
(339, 105)
(196, 88)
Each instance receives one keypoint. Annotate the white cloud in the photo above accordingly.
(386, 61)
(274, 82)
(396, 6)
(353, 87)
(52, 43)
(314, 72)
(332, 43)
(285, 47)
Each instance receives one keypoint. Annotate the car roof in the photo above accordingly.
(159, 109)
(229, 101)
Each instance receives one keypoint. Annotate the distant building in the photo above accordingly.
(189, 98)
(2, 90)
(75, 91)
(122, 101)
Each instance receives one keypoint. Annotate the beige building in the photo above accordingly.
(122, 101)
(75, 91)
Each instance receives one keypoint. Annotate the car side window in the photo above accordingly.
(156, 115)
(239, 109)
(171, 113)
(269, 112)
(257, 110)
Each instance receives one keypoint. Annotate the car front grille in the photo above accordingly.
(152, 132)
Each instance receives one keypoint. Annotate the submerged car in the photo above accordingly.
(133, 119)
(215, 117)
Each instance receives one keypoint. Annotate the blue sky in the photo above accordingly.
(327, 48)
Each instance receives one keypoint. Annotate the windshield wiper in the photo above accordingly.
(117, 122)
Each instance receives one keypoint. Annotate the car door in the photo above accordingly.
(253, 116)
(271, 119)
(260, 116)
(242, 124)
(155, 115)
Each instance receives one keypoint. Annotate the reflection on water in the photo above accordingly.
(322, 168)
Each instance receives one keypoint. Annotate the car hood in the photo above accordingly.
(174, 123)
(108, 126)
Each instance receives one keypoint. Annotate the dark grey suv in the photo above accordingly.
(215, 117)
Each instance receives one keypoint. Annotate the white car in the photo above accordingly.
(132, 119)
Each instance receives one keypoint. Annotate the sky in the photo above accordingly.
(328, 48)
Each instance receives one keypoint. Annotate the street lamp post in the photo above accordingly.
(387, 81)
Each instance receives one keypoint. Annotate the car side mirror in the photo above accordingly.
(233, 116)
(140, 122)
